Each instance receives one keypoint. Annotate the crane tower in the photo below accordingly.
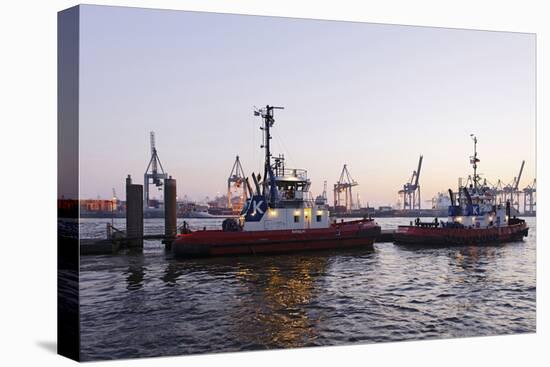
(236, 184)
(530, 198)
(512, 192)
(152, 173)
(411, 190)
(344, 185)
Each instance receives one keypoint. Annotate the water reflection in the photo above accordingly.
(275, 295)
(473, 258)
(153, 304)
(277, 300)
(171, 274)
(135, 274)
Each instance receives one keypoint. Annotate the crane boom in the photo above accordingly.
(418, 170)
(154, 167)
(516, 185)
(411, 189)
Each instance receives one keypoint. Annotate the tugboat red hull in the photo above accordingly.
(429, 236)
(219, 243)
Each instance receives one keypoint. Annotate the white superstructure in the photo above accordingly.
(294, 208)
(474, 208)
(281, 201)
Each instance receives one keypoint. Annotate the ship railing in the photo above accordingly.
(303, 199)
(291, 172)
(113, 232)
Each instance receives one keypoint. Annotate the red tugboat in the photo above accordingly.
(279, 217)
(474, 218)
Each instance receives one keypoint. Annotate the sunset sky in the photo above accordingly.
(372, 96)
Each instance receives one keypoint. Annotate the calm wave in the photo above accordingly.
(151, 304)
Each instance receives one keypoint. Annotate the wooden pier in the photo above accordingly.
(117, 240)
(102, 246)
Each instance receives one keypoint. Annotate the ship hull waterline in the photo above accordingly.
(440, 237)
(220, 243)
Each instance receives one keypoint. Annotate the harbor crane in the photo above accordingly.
(322, 199)
(344, 185)
(530, 198)
(411, 190)
(152, 174)
(497, 192)
(235, 184)
(512, 192)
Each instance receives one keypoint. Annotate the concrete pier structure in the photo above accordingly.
(170, 207)
(134, 214)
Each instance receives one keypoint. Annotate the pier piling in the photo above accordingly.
(134, 213)
(170, 223)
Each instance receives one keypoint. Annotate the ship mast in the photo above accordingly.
(474, 161)
(267, 115)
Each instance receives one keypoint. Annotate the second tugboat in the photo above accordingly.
(279, 217)
(474, 218)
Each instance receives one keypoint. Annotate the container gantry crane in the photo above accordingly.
(411, 190)
(152, 174)
(236, 183)
(344, 185)
(530, 198)
(512, 192)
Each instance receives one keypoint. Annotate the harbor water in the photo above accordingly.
(151, 304)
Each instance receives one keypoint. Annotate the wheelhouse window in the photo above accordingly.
(292, 190)
(319, 218)
(296, 219)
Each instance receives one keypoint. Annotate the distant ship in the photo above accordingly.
(473, 219)
(192, 210)
(441, 202)
(280, 216)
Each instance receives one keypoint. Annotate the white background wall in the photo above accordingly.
(28, 148)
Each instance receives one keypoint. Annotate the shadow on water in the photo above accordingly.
(219, 265)
(475, 251)
(474, 260)
(420, 247)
